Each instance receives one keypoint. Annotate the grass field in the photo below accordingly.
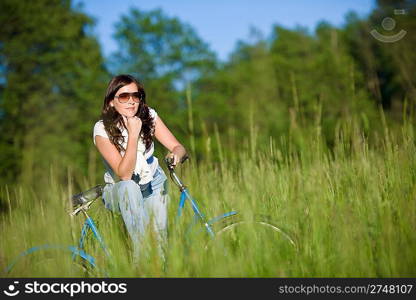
(351, 208)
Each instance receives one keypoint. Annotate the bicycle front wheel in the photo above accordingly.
(256, 246)
(51, 261)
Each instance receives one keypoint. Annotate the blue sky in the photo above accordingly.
(221, 23)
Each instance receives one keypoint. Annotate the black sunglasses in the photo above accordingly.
(124, 97)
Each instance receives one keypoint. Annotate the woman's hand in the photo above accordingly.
(177, 155)
(133, 125)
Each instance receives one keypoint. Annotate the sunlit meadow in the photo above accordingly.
(351, 210)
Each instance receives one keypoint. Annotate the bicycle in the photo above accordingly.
(223, 231)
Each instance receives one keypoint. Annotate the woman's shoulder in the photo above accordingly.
(153, 113)
(99, 128)
(99, 124)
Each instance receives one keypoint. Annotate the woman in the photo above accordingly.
(135, 183)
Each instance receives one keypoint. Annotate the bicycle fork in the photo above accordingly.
(90, 225)
(185, 195)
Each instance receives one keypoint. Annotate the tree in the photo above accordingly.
(153, 45)
(388, 67)
(52, 82)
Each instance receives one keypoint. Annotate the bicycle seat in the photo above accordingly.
(88, 195)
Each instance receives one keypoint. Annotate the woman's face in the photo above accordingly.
(128, 109)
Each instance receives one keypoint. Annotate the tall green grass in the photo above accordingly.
(350, 207)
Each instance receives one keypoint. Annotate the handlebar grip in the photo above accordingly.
(169, 161)
(88, 195)
(185, 157)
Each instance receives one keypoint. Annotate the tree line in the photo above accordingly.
(53, 77)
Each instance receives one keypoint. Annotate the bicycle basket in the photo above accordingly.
(89, 195)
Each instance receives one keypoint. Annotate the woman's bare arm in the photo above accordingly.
(167, 139)
(123, 166)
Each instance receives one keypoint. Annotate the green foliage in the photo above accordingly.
(52, 84)
(315, 129)
(153, 45)
(387, 66)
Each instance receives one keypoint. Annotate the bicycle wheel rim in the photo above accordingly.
(252, 247)
(272, 227)
(51, 262)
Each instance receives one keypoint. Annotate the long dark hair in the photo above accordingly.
(113, 121)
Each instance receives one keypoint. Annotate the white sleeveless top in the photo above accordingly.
(143, 168)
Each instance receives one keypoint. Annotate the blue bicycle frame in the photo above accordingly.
(89, 224)
(185, 195)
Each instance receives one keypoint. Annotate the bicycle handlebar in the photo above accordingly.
(169, 161)
(171, 168)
